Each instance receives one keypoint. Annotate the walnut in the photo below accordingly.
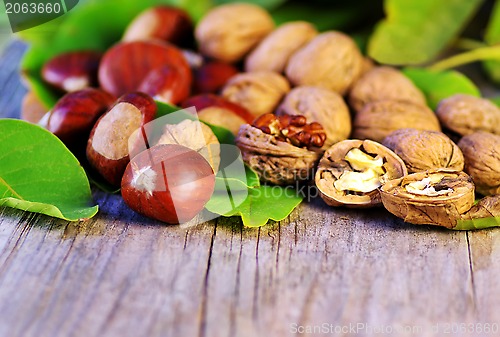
(482, 160)
(351, 172)
(368, 64)
(486, 207)
(223, 117)
(381, 84)
(465, 114)
(319, 105)
(423, 150)
(228, 32)
(282, 150)
(378, 119)
(331, 60)
(437, 197)
(273, 52)
(259, 92)
(196, 136)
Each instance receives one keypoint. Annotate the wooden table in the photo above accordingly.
(345, 271)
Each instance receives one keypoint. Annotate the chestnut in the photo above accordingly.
(72, 71)
(125, 66)
(166, 84)
(162, 22)
(204, 101)
(107, 147)
(212, 76)
(170, 183)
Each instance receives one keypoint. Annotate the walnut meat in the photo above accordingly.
(352, 171)
(438, 197)
(282, 150)
(465, 114)
(273, 52)
(482, 161)
(378, 119)
(319, 105)
(259, 92)
(384, 83)
(228, 32)
(423, 150)
(331, 60)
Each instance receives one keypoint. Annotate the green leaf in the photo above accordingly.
(415, 31)
(267, 4)
(437, 85)
(492, 37)
(495, 100)
(39, 174)
(262, 204)
(482, 223)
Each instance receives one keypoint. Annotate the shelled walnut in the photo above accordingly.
(331, 60)
(378, 119)
(381, 84)
(282, 149)
(273, 52)
(352, 171)
(482, 160)
(466, 114)
(319, 105)
(423, 150)
(437, 197)
(259, 92)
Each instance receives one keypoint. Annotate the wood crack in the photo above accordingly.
(204, 300)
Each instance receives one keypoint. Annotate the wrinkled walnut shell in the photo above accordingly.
(466, 114)
(273, 52)
(486, 207)
(441, 210)
(228, 32)
(482, 160)
(378, 119)
(384, 83)
(319, 105)
(331, 60)
(259, 92)
(425, 150)
(333, 165)
(275, 161)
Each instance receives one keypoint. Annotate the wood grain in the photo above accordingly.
(120, 274)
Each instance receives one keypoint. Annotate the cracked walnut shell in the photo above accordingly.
(228, 32)
(273, 52)
(259, 92)
(319, 105)
(482, 161)
(378, 119)
(331, 60)
(466, 114)
(423, 150)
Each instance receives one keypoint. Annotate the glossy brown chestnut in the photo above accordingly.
(125, 66)
(212, 76)
(170, 183)
(72, 71)
(108, 147)
(162, 22)
(166, 84)
(204, 101)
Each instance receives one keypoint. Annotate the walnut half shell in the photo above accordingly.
(437, 197)
(351, 172)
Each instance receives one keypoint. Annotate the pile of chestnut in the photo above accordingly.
(107, 96)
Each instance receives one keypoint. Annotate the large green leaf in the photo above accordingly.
(464, 225)
(415, 31)
(492, 37)
(39, 174)
(437, 85)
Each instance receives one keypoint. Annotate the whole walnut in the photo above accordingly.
(378, 119)
(331, 60)
(466, 114)
(228, 32)
(423, 150)
(282, 150)
(482, 160)
(381, 84)
(319, 105)
(273, 52)
(259, 92)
